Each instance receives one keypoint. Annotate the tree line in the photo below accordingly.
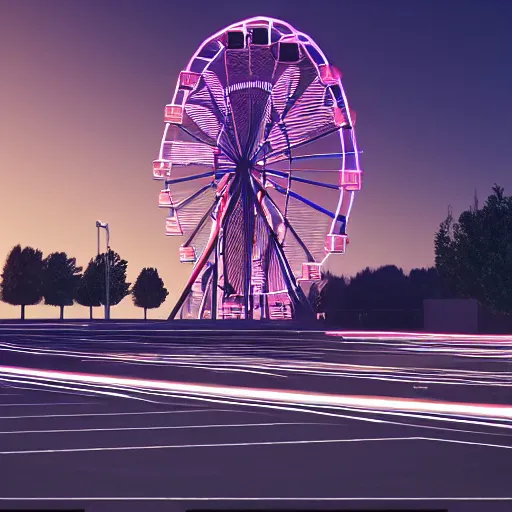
(385, 288)
(474, 253)
(28, 279)
(473, 260)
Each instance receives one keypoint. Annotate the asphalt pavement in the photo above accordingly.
(136, 416)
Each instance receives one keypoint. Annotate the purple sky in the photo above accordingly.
(84, 84)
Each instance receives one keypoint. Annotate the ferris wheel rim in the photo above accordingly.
(299, 183)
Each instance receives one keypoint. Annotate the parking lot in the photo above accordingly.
(67, 437)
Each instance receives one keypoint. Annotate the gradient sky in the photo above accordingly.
(83, 85)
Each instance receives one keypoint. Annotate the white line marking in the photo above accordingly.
(217, 445)
(51, 403)
(117, 414)
(153, 498)
(456, 441)
(159, 428)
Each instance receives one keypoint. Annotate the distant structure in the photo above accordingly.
(260, 165)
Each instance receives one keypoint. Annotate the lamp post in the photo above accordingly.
(104, 225)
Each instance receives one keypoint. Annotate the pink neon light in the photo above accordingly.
(329, 74)
(188, 79)
(495, 411)
(427, 336)
(351, 180)
(187, 254)
(161, 169)
(311, 272)
(164, 199)
(173, 114)
(336, 243)
(340, 119)
(353, 116)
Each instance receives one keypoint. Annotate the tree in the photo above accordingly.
(22, 278)
(333, 292)
(118, 287)
(474, 257)
(60, 280)
(445, 257)
(148, 291)
(89, 289)
(328, 295)
(381, 288)
(423, 284)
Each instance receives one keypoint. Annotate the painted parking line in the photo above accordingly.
(135, 413)
(212, 445)
(166, 427)
(250, 444)
(474, 443)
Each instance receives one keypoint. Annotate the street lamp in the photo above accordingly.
(104, 225)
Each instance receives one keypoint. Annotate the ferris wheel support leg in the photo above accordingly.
(300, 302)
(212, 244)
(215, 282)
(248, 203)
(193, 277)
(299, 299)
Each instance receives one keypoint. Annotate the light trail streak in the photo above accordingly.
(290, 397)
(232, 360)
(281, 498)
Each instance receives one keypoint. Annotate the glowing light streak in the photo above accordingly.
(289, 498)
(294, 397)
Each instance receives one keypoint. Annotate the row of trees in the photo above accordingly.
(473, 260)
(384, 288)
(474, 254)
(28, 279)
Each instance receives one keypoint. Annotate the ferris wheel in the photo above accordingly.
(260, 167)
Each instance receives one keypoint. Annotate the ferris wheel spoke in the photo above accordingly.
(284, 174)
(292, 98)
(285, 153)
(208, 141)
(287, 272)
(201, 223)
(192, 197)
(314, 156)
(308, 202)
(285, 221)
(214, 174)
(306, 117)
(189, 178)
